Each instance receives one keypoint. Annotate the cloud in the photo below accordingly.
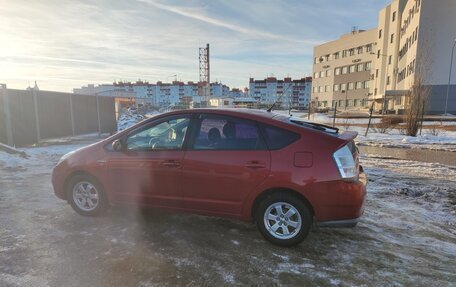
(197, 15)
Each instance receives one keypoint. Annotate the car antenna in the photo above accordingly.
(271, 107)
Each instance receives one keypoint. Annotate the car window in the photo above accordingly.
(227, 133)
(168, 135)
(277, 138)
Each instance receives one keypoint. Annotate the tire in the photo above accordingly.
(86, 196)
(283, 219)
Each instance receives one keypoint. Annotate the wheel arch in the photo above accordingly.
(282, 190)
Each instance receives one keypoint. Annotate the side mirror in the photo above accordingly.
(117, 145)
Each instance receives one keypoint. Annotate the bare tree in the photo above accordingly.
(416, 98)
(418, 95)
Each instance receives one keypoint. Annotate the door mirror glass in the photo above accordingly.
(117, 145)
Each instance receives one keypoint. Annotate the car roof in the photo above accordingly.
(249, 113)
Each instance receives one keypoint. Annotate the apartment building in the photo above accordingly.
(285, 93)
(159, 94)
(342, 71)
(413, 40)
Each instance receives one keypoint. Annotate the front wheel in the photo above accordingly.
(283, 219)
(86, 196)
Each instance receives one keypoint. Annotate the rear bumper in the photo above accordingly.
(340, 203)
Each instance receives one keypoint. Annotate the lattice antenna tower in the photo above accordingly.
(204, 71)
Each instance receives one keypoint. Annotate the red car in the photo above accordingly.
(283, 173)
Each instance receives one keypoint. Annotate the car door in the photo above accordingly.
(148, 170)
(226, 159)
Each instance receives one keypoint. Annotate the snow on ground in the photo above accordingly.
(128, 118)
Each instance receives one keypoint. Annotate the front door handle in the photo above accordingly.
(171, 163)
(255, 164)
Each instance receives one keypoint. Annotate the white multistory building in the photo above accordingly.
(160, 94)
(286, 93)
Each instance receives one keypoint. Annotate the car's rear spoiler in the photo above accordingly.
(348, 135)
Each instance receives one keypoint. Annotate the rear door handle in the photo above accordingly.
(171, 163)
(255, 164)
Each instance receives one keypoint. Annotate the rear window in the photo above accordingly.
(277, 138)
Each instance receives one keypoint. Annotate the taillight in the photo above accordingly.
(346, 164)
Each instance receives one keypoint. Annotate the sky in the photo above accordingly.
(65, 44)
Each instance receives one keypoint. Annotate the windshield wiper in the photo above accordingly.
(320, 127)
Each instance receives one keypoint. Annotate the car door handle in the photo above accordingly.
(254, 164)
(171, 163)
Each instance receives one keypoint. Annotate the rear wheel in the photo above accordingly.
(86, 196)
(283, 219)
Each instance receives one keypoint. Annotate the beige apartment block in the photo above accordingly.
(413, 40)
(342, 70)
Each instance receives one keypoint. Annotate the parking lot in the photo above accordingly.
(406, 237)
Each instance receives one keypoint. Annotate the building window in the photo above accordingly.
(366, 84)
(344, 53)
(327, 89)
(341, 103)
(314, 89)
(351, 86)
(360, 67)
(336, 55)
(360, 50)
(316, 60)
(394, 16)
(327, 58)
(376, 73)
(357, 103)
(359, 85)
(390, 59)
(369, 48)
(378, 54)
(368, 66)
(344, 70)
(322, 74)
(352, 68)
(392, 38)
(343, 87)
(388, 80)
(337, 71)
(328, 73)
(380, 33)
(316, 75)
(352, 52)
(336, 87)
(320, 89)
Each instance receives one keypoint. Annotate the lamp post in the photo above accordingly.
(386, 82)
(449, 77)
(346, 98)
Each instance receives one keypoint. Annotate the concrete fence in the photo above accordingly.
(29, 116)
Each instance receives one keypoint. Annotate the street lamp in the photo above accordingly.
(449, 77)
(346, 97)
(386, 81)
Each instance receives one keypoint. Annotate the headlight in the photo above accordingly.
(65, 156)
